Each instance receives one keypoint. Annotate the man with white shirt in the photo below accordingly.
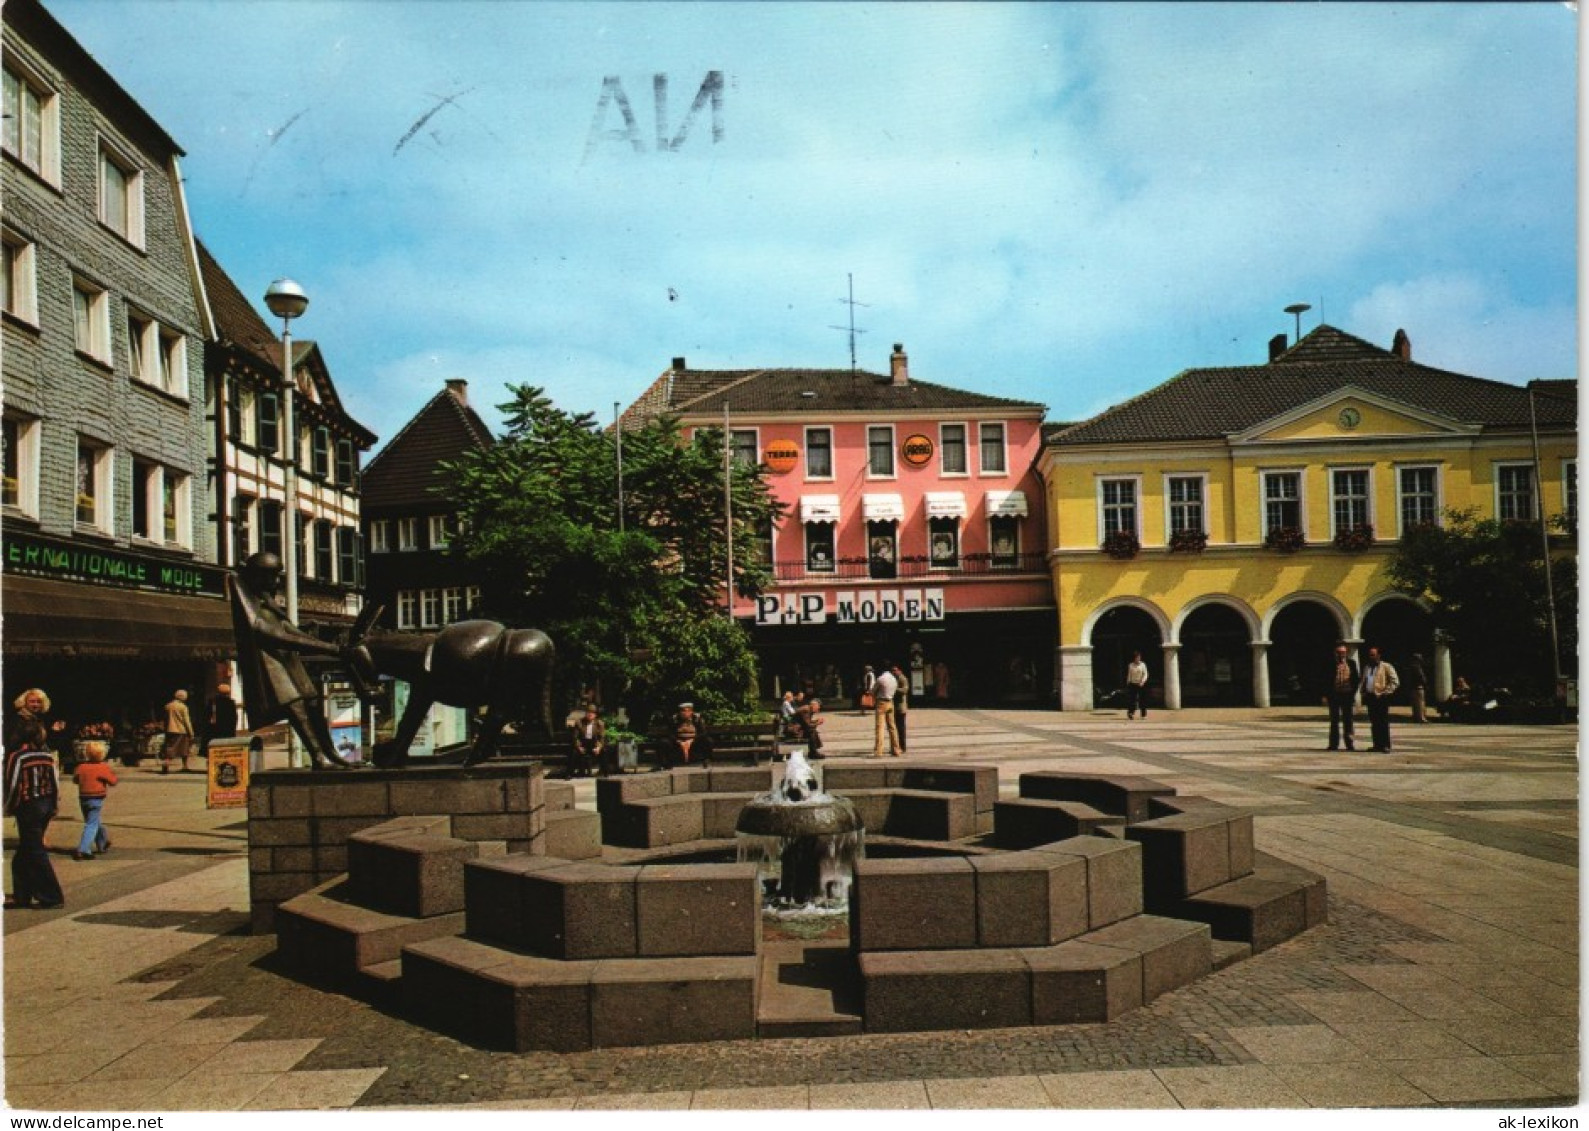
(884, 691)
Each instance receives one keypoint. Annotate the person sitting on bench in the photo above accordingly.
(690, 744)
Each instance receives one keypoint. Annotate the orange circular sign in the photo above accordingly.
(781, 456)
(917, 450)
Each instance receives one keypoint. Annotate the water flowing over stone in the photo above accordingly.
(805, 842)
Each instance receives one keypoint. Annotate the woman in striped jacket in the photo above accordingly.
(32, 797)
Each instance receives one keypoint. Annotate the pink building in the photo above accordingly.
(914, 533)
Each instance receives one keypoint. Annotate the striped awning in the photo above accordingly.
(883, 508)
(1007, 503)
(946, 504)
(819, 508)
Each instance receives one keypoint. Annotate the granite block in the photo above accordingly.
(982, 782)
(1174, 952)
(1076, 982)
(1183, 854)
(920, 815)
(908, 991)
(494, 896)
(1114, 876)
(926, 903)
(740, 779)
(573, 834)
(1125, 795)
(700, 909)
(1029, 898)
(1026, 822)
(673, 1001)
(670, 820)
(720, 813)
(1258, 909)
(346, 796)
(579, 911)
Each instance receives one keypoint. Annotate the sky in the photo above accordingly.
(1059, 203)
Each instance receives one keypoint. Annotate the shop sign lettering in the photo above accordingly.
(45, 557)
(852, 607)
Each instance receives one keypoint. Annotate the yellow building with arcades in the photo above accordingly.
(1232, 524)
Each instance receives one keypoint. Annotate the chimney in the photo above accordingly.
(459, 388)
(1402, 346)
(899, 366)
(678, 364)
(1277, 346)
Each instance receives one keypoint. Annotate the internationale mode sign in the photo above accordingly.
(37, 556)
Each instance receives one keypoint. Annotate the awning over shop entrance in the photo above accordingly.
(54, 618)
(946, 504)
(819, 508)
(1010, 503)
(883, 508)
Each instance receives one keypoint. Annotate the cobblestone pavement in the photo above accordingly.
(1447, 974)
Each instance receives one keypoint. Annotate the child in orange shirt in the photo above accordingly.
(94, 779)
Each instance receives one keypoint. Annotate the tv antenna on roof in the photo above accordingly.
(852, 304)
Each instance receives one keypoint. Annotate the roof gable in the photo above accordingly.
(407, 469)
(1350, 412)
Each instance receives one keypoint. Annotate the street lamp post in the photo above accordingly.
(287, 300)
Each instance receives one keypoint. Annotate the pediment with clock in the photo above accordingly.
(1348, 413)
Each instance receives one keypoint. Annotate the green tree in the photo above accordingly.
(1484, 579)
(540, 516)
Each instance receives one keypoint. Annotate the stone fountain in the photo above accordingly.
(804, 841)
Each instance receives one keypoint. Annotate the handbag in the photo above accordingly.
(867, 700)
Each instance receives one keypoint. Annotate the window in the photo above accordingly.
(880, 451)
(94, 485)
(408, 534)
(1349, 499)
(1420, 496)
(324, 549)
(176, 512)
(407, 609)
(145, 497)
(270, 528)
(761, 548)
(1569, 492)
(952, 448)
(1282, 500)
(1004, 532)
(157, 356)
(819, 547)
(452, 604)
(18, 294)
(347, 463)
(242, 527)
(241, 417)
(819, 453)
(742, 442)
(1117, 507)
(882, 549)
(91, 320)
(991, 443)
(943, 543)
(21, 478)
(31, 131)
(471, 597)
(120, 194)
(348, 558)
(267, 412)
(302, 527)
(380, 535)
(1184, 494)
(429, 608)
(320, 452)
(441, 528)
(1514, 491)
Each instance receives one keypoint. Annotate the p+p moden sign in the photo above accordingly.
(863, 607)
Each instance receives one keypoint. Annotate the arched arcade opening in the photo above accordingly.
(1118, 633)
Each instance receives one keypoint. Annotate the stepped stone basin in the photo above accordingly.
(805, 842)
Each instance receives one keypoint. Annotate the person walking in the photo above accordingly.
(1379, 684)
(1417, 681)
(32, 797)
(1341, 697)
(94, 779)
(220, 718)
(884, 690)
(901, 704)
(1136, 686)
(179, 733)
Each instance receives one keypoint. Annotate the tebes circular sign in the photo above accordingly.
(781, 456)
(916, 450)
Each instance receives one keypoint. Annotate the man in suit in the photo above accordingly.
(1342, 694)
(1379, 684)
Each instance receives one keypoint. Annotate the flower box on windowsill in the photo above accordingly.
(1286, 539)
(1188, 542)
(1121, 544)
(1355, 539)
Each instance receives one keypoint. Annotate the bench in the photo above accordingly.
(750, 741)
